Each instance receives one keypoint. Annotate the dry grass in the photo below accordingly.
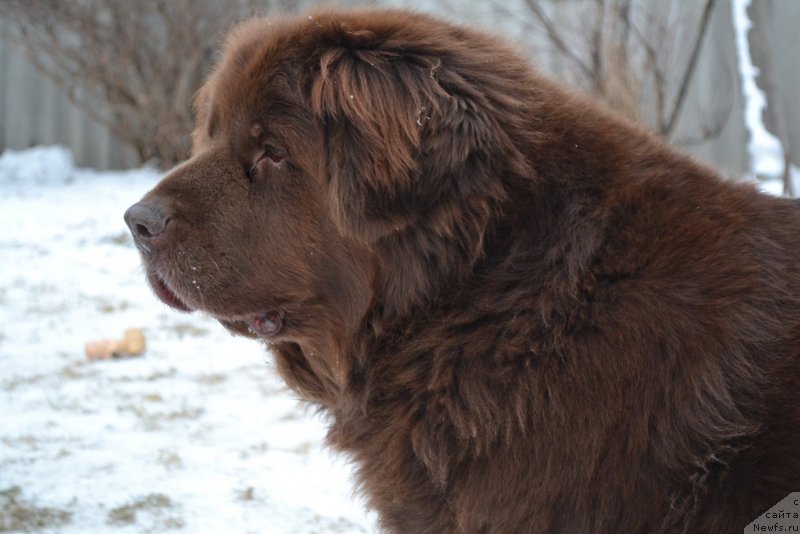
(188, 330)
(22, 515)
(157, 505)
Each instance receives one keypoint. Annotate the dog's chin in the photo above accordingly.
(239, 328)
(167, 295)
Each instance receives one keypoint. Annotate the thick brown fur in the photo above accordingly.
(520, 312)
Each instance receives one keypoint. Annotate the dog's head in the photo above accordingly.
(339, 160)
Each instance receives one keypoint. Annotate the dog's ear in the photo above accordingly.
(401, 126)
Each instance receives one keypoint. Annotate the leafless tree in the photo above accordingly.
(132, 66)
(638, 56)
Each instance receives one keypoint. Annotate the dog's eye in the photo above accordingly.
(275, 155)
(272, 155)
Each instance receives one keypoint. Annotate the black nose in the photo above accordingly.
(145, 221)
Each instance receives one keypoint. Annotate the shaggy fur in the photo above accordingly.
(521, 312)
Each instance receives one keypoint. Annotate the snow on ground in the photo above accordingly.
(766, 152)
(197, 434)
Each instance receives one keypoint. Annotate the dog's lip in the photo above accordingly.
(166, 294)
(264, 324)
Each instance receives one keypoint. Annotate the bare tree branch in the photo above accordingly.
(631, 53)
(555, 37)
(690, 68)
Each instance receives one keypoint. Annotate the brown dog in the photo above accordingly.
(521, 313)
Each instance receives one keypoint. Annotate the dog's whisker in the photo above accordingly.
(216, 265)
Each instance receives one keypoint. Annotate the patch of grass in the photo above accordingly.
(247, 494)
(267, 389)
(20, 515)
(155, 376)
(160, 375)
(188, 330)
(77, 370)
(24, 439)
(304, 448)
(106, 306)
(157, 505)
(173, 523)
(255, 450)
(338, 525)
(46, 305)
(212, 379)
(291, 416)
(169, 459)
(18, 381)
(261, 447)
(155, 420)
(184, 413)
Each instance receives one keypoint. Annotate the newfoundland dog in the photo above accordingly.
(521, 312)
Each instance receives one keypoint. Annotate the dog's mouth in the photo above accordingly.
(167, 295)
(266, 324)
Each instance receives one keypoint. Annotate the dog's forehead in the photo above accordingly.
(265, 61)
(254, 39)
(239, 86)
(248, 60)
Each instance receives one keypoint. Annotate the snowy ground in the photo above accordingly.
(198, 434)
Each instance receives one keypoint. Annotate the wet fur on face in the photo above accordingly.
(520, 312)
